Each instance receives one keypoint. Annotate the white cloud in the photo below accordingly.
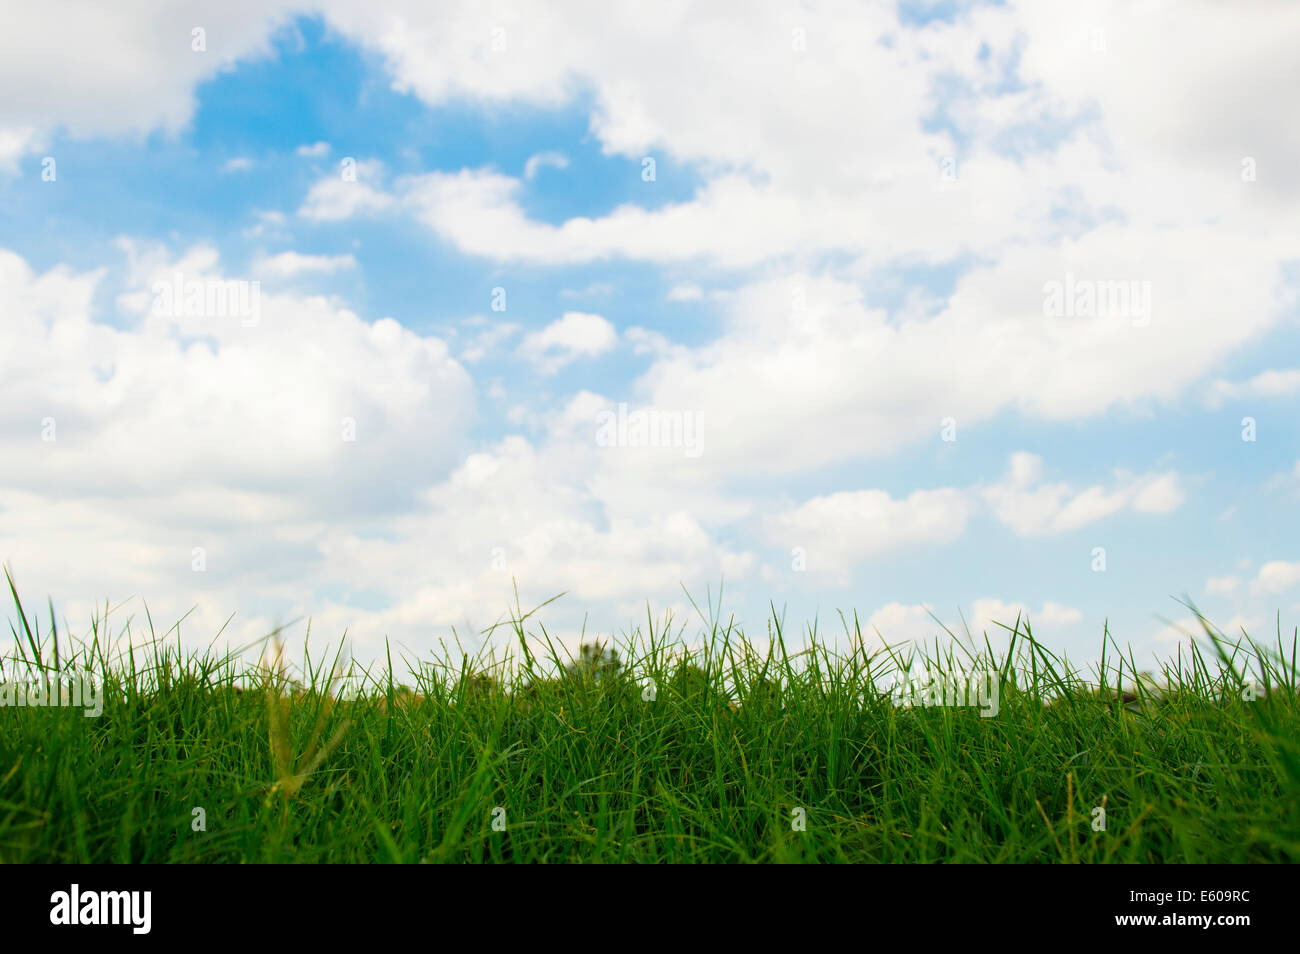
(987, 613)
(685, 293)
(15, 141)
(804, 362)
(335, 198)
(1275, 577)
(212, 400)
(900, 623)
(289, 264)
(896, 623)
(782, 179)
(576, 335)
(237, 164)
(1032, 508)
(731, 222)
(782, 108)
(1222, 585)
(544, 160)
(487, 340)
(647, 341)
(528, 513)
(842, 529)
(1266, 384)
(1105, 200)
(237, 447)
(125, 69)
(839, 530)
(784, 125)
(316, 150)
(234, 437)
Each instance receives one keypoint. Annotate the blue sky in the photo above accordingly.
(844, 249)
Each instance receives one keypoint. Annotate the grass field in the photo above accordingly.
(727, 754)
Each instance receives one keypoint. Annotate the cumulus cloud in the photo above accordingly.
(275, 469)
(1031, 507)
(90, 80)
(527, 513)
(1103, 201)
(336, 197)
(180, 431)
(841, 529)
(576, 335)
(1275, 577)
(1097, 74)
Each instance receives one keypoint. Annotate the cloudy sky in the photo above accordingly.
(369, 312)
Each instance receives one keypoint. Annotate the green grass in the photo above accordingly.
(589, 764)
